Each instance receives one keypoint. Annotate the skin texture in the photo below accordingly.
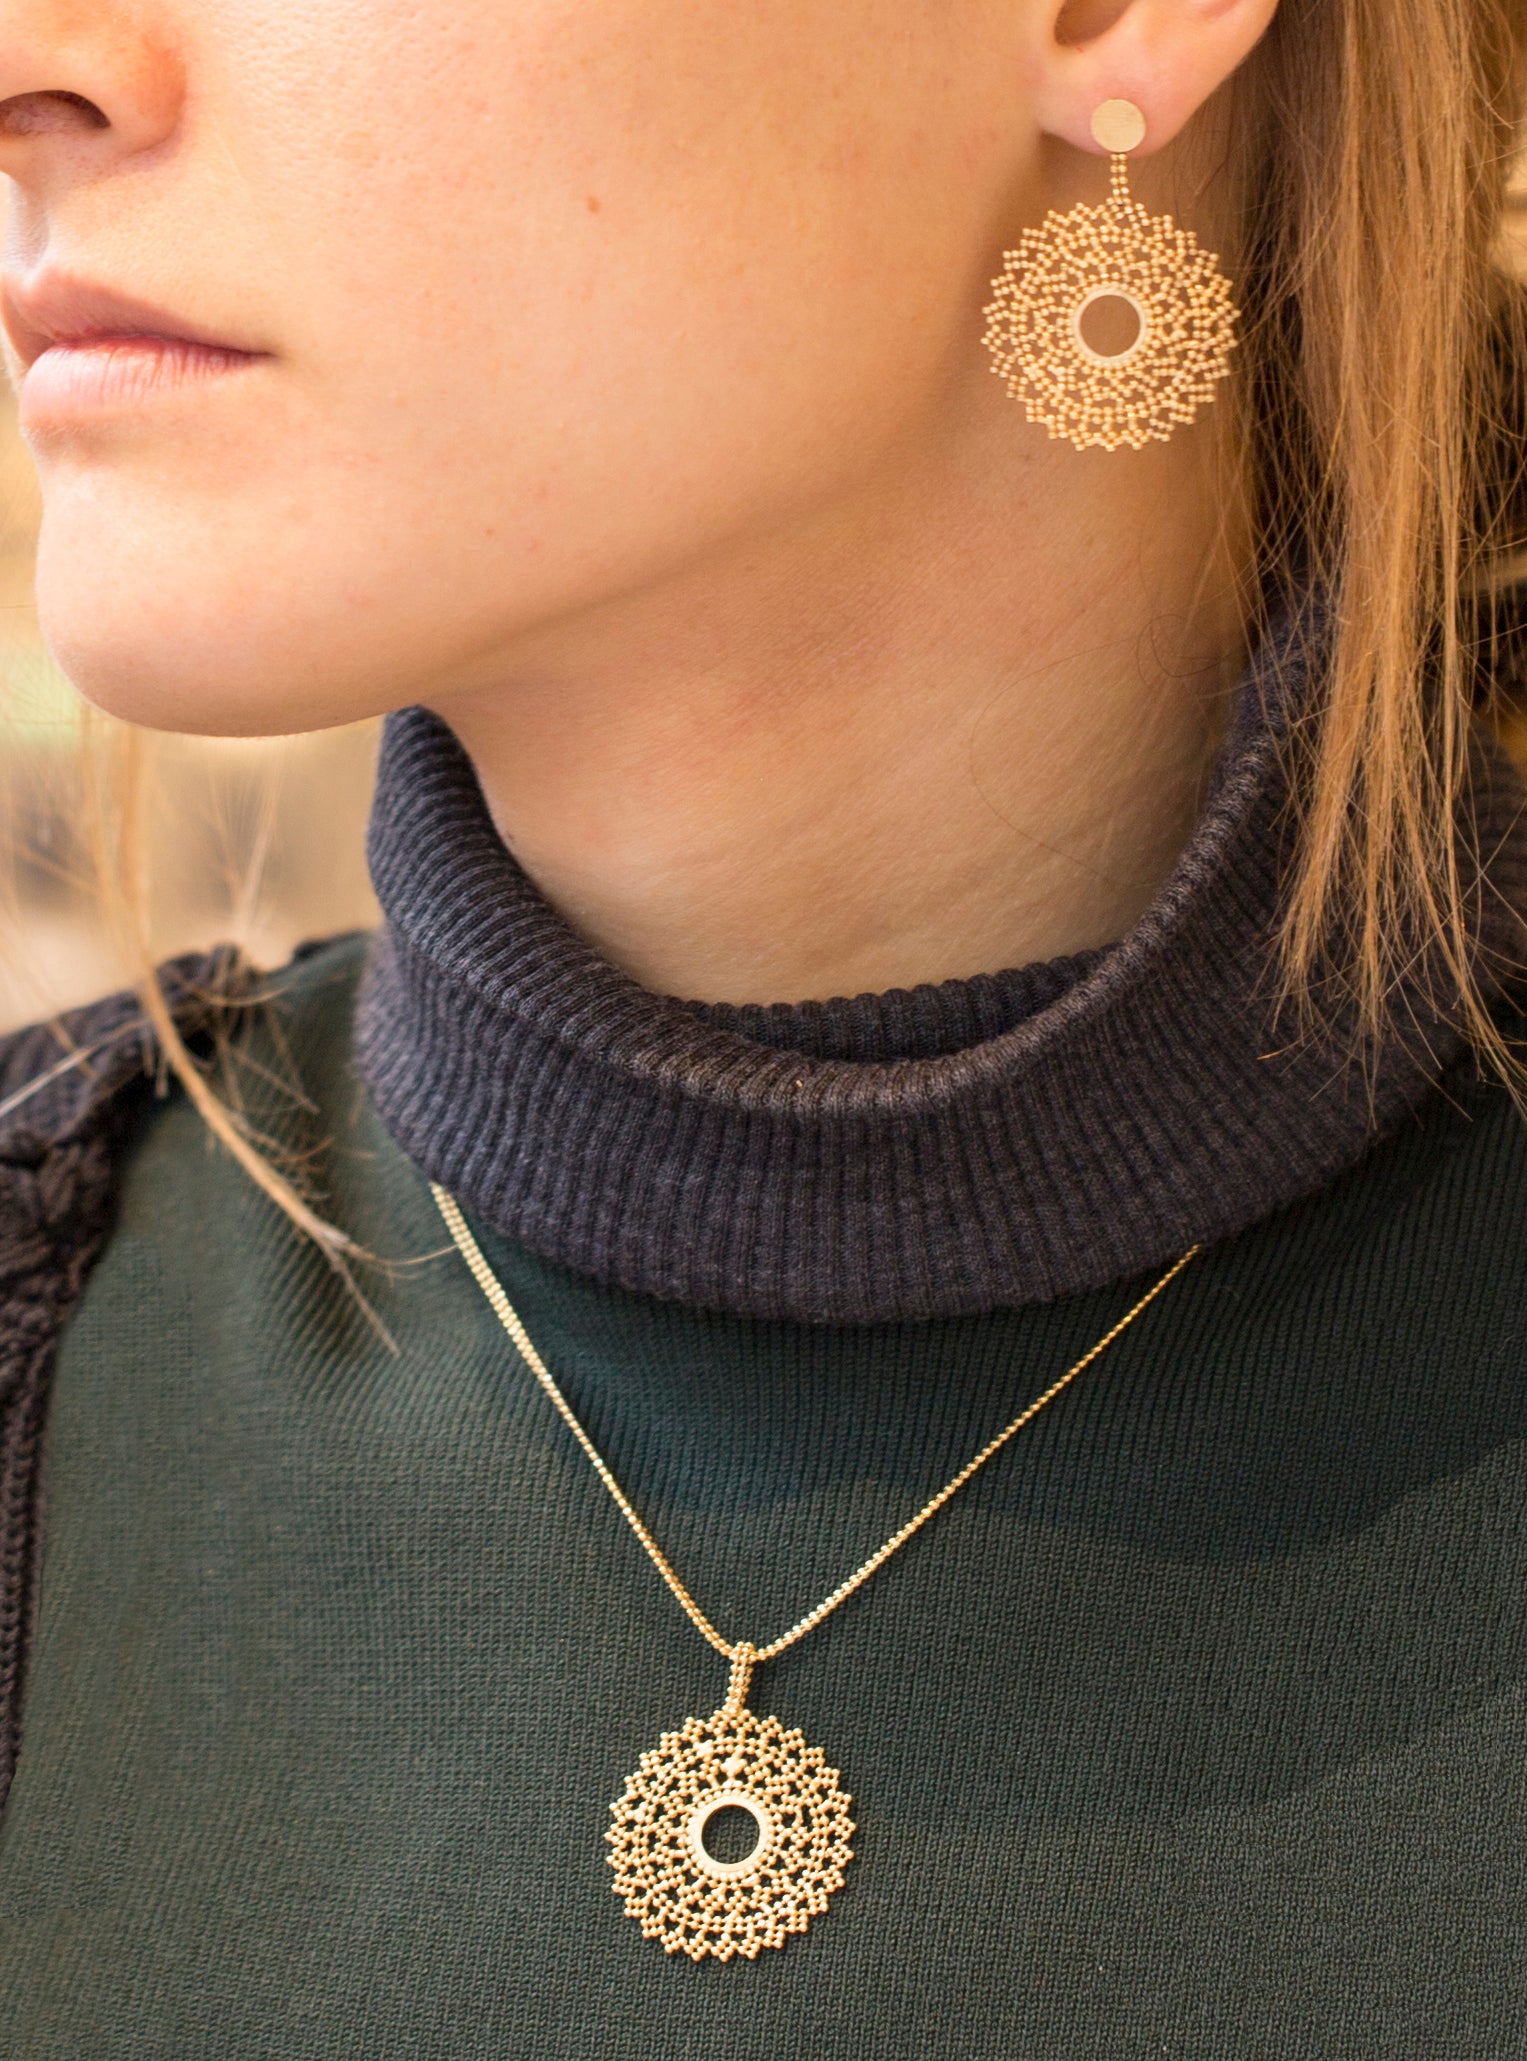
(619, 393)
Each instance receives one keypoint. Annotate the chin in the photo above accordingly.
(211, 636)
(114, 659)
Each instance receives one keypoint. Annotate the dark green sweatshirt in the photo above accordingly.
(1193, 1727)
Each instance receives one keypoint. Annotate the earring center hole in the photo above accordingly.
(1110, 326)
(723, 1848)
(731, 1834)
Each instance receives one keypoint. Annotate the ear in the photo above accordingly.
(1167, 56)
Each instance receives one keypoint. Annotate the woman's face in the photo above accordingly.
(537, 304)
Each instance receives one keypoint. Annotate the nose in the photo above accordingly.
(83, 84)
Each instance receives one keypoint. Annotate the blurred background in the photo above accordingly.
(260, 842)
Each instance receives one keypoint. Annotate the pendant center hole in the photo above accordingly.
(1110, 326)
(730, 1835)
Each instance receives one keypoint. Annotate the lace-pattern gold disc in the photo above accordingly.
(1117, 250)
(670, 1883)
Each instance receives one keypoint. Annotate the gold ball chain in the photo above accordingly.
(743, 1655)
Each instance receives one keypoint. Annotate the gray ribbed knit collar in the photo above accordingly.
(927, 1153)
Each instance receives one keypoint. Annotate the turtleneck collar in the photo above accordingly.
(931, 1152)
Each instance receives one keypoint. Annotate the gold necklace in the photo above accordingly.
(666, 1876)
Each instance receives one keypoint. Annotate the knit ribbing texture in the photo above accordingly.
(929, 1153)
(65, 1109)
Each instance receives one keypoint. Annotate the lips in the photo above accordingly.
(85, 349)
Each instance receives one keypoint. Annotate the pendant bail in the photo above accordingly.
(744, 1660)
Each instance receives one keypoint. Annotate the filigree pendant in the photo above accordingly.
(668, 1879)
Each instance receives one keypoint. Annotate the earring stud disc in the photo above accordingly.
(1118, 125)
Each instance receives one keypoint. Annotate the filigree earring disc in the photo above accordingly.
(1116, 251)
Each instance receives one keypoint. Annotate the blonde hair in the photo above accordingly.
(1382, 396)
(112, 810)
(1379, 419)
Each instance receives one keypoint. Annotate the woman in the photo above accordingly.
(919, 906)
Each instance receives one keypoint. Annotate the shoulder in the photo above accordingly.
(58, 1079)
(1443, 1193)
(64, 1096)
(61, 1079)
(64, 1090)
(73, 1089)
(300, 1018)
(73, 1094)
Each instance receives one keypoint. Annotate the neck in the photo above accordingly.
(957, 721)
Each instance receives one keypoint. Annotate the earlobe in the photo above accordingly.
(1167, 56)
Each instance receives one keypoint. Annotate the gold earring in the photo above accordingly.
(1117, 251)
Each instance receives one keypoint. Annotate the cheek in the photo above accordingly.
(663, 266)
(562, 296)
